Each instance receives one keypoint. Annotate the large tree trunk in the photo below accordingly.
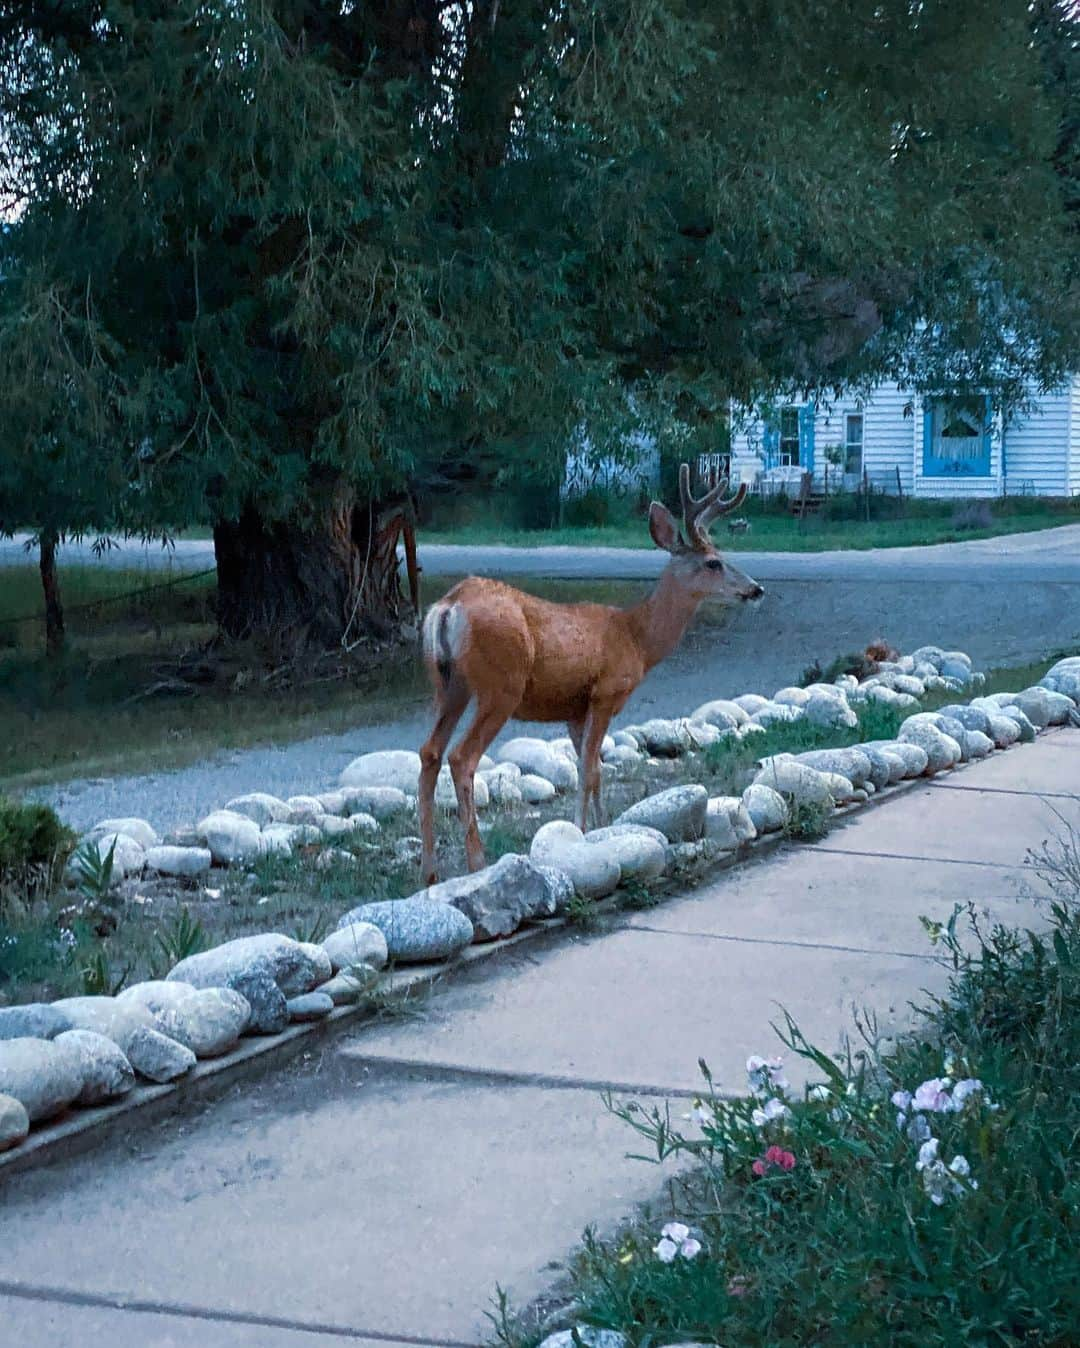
(328, 586)
(54, 609)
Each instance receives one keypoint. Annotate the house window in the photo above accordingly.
(789, 436)
(853, 431)
(713, 468)
(956, 437)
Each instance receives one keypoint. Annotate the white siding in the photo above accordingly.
(1074, 436)
(887, 442)
(1037, 446)
(1042, 451)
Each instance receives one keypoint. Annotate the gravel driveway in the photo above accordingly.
(1005, 601)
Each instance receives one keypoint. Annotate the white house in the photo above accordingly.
(941, 446)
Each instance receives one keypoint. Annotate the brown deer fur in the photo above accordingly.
(524, 657)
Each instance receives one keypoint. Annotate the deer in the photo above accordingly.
(524, 658)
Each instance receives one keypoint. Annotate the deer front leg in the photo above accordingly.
(596, 724)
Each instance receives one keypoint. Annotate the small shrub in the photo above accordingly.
(637, 897)
(34, 845)
(312, 931)
(581, 912)
(973, 515)
(807, 821)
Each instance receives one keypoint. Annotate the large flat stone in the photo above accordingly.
(832, 899)
(679, 998)
(383, 1203)
(41, 1323)
(1051, 765)
(986, 827)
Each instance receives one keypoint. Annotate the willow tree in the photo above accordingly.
(330, 245)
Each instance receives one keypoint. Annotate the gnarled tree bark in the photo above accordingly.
(50, 584)
(321, 585)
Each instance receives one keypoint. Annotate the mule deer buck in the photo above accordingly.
(524, 657)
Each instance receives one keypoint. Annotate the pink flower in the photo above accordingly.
(774, 1156)
(933, 1095)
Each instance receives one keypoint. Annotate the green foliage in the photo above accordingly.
(727, 766)
(276, 251)
(183, 937)
(581, 912)
(30, 835)
(807, 820)
(98, 977)
(843, 1244)
(94, 872)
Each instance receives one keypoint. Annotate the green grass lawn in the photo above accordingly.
(774, 530)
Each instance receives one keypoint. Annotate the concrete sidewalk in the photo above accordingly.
(378, 1193)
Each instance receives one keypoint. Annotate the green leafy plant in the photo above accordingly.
(313, 930)
(98, 979)
(807, 820)
(175, 943)
(637, 897)
(94, 872)
(580, 911)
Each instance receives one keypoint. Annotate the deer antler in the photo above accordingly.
(699, 514)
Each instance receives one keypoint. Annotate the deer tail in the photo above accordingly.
(445, 628)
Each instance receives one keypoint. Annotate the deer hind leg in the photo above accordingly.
(451, 703)
(492, 713)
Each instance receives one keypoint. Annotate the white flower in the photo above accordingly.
(932, 1095)
(774, 1109)
(819, 1093)
(918, 1129)
(964, 1090)
(940, 1181)
(765, 1074)
(675, 1240)
(700, 1115)
(935, 1182)
(902, 1100)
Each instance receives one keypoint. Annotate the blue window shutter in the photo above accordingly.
(806, 436)
(927, 437)
(988, 436)
(771, 443)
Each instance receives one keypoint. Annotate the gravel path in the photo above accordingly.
(999, 620)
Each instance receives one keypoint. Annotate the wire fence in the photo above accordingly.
(121, 598)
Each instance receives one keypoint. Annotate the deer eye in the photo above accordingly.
(714, 564)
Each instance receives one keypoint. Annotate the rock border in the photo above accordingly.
(278, 983)
(85, 1128)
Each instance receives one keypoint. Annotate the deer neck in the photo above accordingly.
(660, 620)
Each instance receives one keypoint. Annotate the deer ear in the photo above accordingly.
(662, 527)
